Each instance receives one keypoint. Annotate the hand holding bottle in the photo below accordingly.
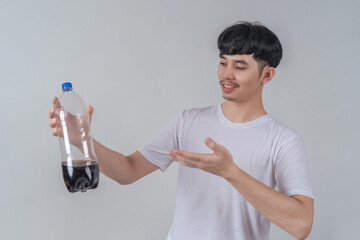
(55, 123)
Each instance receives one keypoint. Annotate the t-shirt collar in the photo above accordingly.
(255, 122)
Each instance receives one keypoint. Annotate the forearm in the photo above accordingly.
(286, 212)
(113, 164)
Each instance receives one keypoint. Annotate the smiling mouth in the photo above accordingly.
(228, 85)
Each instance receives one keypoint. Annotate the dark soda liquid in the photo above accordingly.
(80, 175)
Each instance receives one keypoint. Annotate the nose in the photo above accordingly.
(227, 73)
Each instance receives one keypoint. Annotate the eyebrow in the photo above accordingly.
(242, 61)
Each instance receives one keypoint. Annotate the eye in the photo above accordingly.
(240, 68)
(222, 63)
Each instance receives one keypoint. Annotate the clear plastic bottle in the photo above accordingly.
(78, 160)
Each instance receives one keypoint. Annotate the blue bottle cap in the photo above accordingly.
(67, 86)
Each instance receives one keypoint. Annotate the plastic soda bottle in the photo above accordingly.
(78, 160)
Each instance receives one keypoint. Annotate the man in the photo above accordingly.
(232, 155)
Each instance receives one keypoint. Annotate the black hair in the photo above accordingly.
(251, 38)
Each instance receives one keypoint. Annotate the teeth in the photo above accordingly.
(228, 86)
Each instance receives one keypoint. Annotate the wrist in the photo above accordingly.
(232, 172)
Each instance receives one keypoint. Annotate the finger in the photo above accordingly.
(186, 162)
(56, 103)
(192, 156)
(171, 155)
(55, 100)
(190, 160)
(55, 132)
(217, 148)
(53, 122)
(51, 112)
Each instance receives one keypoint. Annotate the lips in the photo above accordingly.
(228, 86)
(227, 89)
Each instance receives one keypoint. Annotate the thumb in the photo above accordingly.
(217, 148)
(90, 111)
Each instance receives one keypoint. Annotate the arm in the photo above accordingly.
(122, 169)
(293, 214)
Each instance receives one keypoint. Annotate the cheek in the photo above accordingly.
(247, 78)
(219, 72)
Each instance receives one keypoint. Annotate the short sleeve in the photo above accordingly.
(157, 148)
(291, 168)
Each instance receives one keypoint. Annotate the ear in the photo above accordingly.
(267, 75)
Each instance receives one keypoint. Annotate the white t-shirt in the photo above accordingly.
(207, 206)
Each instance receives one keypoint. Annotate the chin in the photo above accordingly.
(230, 99)
(234, 100)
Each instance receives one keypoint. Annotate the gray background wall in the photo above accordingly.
(139, 63)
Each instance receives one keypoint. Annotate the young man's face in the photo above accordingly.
(239, 77)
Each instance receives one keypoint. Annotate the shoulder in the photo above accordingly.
(198, 112)
(194, 115)
(287, 145)
(282, 133)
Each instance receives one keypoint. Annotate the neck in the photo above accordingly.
(241, 112)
